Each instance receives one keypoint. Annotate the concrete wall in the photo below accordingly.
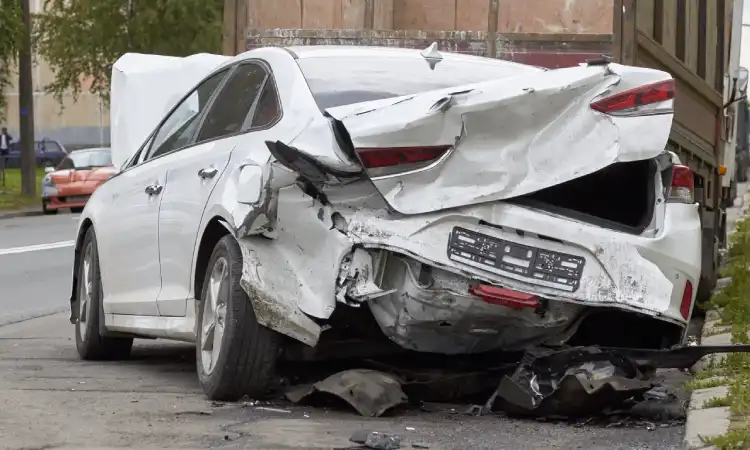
(82, 122)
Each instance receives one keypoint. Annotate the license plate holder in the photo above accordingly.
(499, 256)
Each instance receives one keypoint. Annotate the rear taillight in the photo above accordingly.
(505, 297)
(687, 300)
(656, 98)
(379, 162)
(681, 190)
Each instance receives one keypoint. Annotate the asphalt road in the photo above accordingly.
(50, 399)
(35, 265)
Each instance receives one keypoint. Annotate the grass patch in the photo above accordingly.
(697, 384)
(736, 311)
(10, 194)
(734, 440)
(717, 402)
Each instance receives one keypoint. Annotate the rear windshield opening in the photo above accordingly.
(620, 196)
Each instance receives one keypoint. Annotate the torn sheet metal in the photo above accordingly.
(369, 392)
(572, 383)
(510, 137)
(623, 270)
(431, 310)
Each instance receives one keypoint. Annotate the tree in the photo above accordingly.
(11, 31)
(82, 39)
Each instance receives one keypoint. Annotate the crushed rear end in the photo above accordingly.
(533, 210)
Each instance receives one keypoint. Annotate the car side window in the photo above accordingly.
(268, 108)
(66, 164)
(233, 104)
(178, 130)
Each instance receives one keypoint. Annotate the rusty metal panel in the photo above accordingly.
(555, 16)
(425, 15)
(352, 14)
(383, 14)
(321, 14)
(471, 15)
(274, 13)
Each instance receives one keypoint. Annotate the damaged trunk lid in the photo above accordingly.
(495, 140)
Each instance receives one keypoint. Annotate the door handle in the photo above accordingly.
(154, 189)
(209, 173)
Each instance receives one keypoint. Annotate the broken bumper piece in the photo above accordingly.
(581, 381)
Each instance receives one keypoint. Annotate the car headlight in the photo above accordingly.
(47, 181)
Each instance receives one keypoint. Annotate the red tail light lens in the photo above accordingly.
(380, 162)
(683, 186)
(653, 98)
(687, 300)
(505, 297)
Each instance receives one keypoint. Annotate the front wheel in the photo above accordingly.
(46, 211)
(91, 345)
(235, 355)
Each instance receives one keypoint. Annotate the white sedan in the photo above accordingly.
(316, 198)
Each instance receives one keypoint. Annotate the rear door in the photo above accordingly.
(194, 174)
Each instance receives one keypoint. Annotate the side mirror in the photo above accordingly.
(49, 169)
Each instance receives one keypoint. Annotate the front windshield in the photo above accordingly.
(87, 159)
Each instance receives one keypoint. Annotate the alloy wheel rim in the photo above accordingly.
(214, 315)
(84, 292)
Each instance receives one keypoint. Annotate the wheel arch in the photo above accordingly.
(215, 229)
(82, 230)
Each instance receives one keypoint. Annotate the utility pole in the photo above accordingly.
(26, 107)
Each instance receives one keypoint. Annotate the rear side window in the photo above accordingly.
(232, 106)
(343, 80)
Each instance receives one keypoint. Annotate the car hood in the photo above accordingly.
(73, 176)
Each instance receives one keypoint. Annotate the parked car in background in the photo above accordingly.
(75, 178)
(48, 152)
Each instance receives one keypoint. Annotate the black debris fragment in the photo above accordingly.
(571, 382)
(376, 440)
(369, 392)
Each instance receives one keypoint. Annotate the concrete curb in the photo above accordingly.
(702, 422)
(21, 213)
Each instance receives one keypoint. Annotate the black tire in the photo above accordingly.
(77, 210)
(46, 211)
(246, 364)
(93, 346)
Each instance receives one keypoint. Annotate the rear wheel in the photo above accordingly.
(90, 343)
(235, 355)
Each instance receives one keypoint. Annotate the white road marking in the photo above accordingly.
(35, 248)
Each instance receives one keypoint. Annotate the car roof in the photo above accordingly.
(328, 51)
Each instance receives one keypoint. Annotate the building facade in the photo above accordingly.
(84, 122)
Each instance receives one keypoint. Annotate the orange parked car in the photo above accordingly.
(71, 183)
